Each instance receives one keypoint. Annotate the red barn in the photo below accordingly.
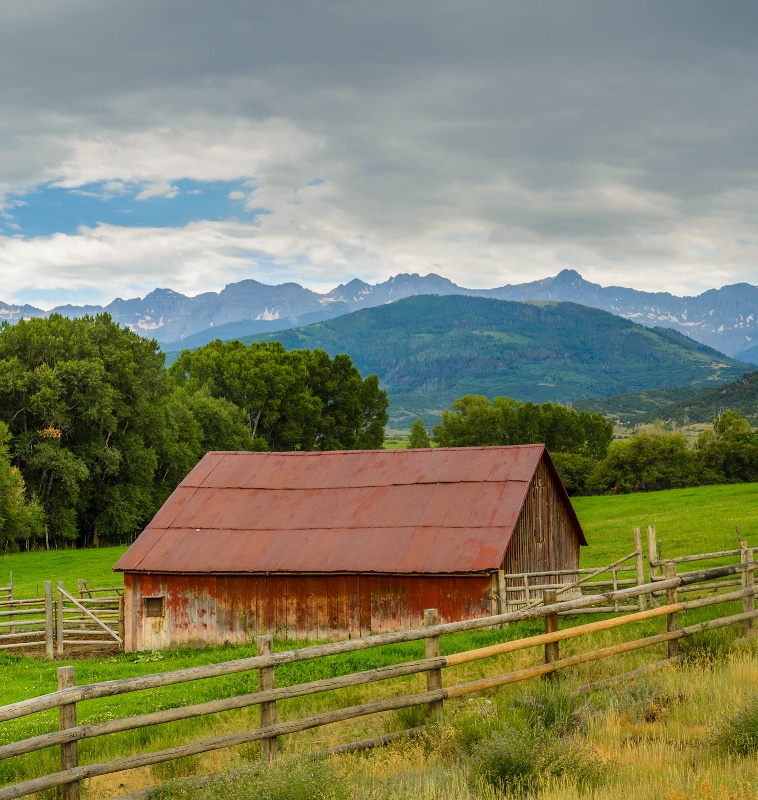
(341, 544)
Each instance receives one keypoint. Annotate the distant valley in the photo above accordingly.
(725, 319)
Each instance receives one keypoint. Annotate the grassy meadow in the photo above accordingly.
(654, 737)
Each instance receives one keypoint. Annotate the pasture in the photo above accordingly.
(656, 743)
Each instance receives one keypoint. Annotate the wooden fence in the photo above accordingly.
(524, 590)
(59, 619)
(433, 664)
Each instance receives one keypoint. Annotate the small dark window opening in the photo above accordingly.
(154, 606)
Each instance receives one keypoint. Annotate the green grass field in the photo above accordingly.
(689, 520)
(31, 570)
(699, 520)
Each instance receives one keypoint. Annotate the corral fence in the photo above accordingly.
(60, 620)
(524, 590)
(433, 664)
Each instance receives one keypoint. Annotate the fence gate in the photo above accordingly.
(59, 619)
(88, 620)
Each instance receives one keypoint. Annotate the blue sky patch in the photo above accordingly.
(49, 209)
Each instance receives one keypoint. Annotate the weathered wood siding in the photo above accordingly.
(544, 538)
(213, 609)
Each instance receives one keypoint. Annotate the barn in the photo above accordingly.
(342, 544)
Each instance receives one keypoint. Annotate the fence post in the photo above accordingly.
(121, 621)
(639, 561)
(269, 746)
(70, 750)
(80, 586)
(748, 581)
(502, 593)
(59, 620)
(432, 650)
(672, 620)
(549, 597)
(49, 627)
(11, 618)
(652, 555)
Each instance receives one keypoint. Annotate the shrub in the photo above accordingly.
(465, 728)
(643, 701)
(706, 648)
(739, 734)
(514, 759)
(548, 706)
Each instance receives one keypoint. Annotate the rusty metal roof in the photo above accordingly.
(438, 510)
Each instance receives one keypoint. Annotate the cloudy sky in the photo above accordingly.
(191, 144)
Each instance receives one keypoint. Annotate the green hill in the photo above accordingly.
(429, 350)
(683, 404)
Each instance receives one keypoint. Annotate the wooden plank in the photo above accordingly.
(178, 593)
(59, 621)
(322, 594)
(292, 599)
(353, 606)
(311, 607)
(280, 582)
(341, 606)
(364, 592)
(332, 607)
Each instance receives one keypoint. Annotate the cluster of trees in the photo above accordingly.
(663, 460)
(95, 433)
(577, 440)
(587, 459)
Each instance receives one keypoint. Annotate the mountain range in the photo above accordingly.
(725, 319)
(430, 350)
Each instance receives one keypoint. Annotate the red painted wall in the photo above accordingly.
(211, 609)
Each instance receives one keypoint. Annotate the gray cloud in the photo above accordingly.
(495, 140)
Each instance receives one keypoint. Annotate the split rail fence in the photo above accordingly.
(66, 698)
(60, 619)
(524, 590)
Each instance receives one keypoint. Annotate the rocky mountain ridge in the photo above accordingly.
(725, 319)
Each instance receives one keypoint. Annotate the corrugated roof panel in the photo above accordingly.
(453, 545)
(399, 550)
(417, 547)
(366, 467)
(507, 512)
(141, 546)
(203, 469)
(169, 511)
(491, 496)
(418, 498)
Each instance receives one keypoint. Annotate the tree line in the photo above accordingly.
(585, 455)
(95, 432)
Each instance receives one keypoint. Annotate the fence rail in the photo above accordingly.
(432, 664)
